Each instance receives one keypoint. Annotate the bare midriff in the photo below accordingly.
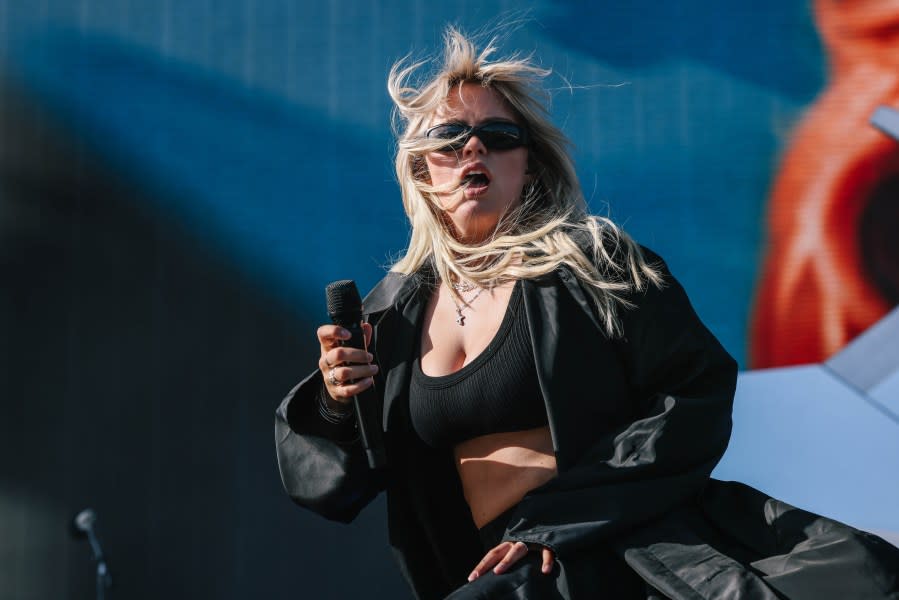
(497, 470)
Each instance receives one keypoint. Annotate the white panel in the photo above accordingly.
(887, 393)
(871, 357)
(803, 436)
(886, 119)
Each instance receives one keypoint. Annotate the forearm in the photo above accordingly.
(322, 463)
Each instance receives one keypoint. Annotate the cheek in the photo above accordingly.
(436, 172)
(514, 174)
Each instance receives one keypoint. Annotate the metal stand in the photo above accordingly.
(103, 580)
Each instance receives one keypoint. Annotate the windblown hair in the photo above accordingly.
(543, 231)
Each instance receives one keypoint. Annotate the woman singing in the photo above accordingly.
(549, 397)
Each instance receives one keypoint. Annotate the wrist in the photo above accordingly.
(332, 410)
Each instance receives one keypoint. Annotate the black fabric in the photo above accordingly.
(430, 527)
(633, 454)
(496, 392)
(736, 542)
(492, 533)
(597, 573)
(523, 581)
(797, 553)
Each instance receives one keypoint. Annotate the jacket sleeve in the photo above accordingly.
(323, 466)
(682, 383)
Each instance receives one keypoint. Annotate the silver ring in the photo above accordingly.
(332, 379)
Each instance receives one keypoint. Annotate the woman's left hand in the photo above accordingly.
(506, 554)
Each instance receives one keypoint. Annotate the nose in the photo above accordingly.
(474, 146)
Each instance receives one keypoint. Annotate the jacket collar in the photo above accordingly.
(393, 290)
(561, 322)
(394, 307)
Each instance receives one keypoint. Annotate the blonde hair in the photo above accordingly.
(541, 233)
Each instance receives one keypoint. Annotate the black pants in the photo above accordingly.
(594, 574)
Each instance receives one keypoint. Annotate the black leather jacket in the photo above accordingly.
(637, 423)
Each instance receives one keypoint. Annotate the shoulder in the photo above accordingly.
(612, 250)
(633, 272)
(393, 290)
(663, 298)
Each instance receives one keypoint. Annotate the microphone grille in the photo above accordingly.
(84, 521)
(343, 297)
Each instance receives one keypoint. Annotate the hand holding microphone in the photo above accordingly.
(346, 366)
(346, 370)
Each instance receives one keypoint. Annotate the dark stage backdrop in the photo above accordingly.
(140, 374)
(179, 180)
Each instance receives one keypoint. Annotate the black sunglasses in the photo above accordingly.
(495, 135)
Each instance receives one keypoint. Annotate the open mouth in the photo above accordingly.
(475, 179)
(475, 184)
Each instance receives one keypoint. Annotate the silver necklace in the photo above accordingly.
(463, 287)
(460, 318)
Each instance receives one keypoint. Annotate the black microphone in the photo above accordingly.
(345, 309)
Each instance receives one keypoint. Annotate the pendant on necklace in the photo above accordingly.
(460, 318)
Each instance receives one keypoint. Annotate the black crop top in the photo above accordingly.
(496, 392)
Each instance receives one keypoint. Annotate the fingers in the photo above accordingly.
(515, 553)
(547, 561)
(332, 334)
(366, 330)
(506, 554)
(347, 376)
(347, 381)
(330, 337)
(345, 393)
(490, 559)
(346, 370)
(499, 558)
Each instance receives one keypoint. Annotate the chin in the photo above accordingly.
(476, 228)
(475, 236)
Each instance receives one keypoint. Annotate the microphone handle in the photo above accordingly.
(368, 417)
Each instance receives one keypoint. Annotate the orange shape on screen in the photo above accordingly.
(831, 267)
